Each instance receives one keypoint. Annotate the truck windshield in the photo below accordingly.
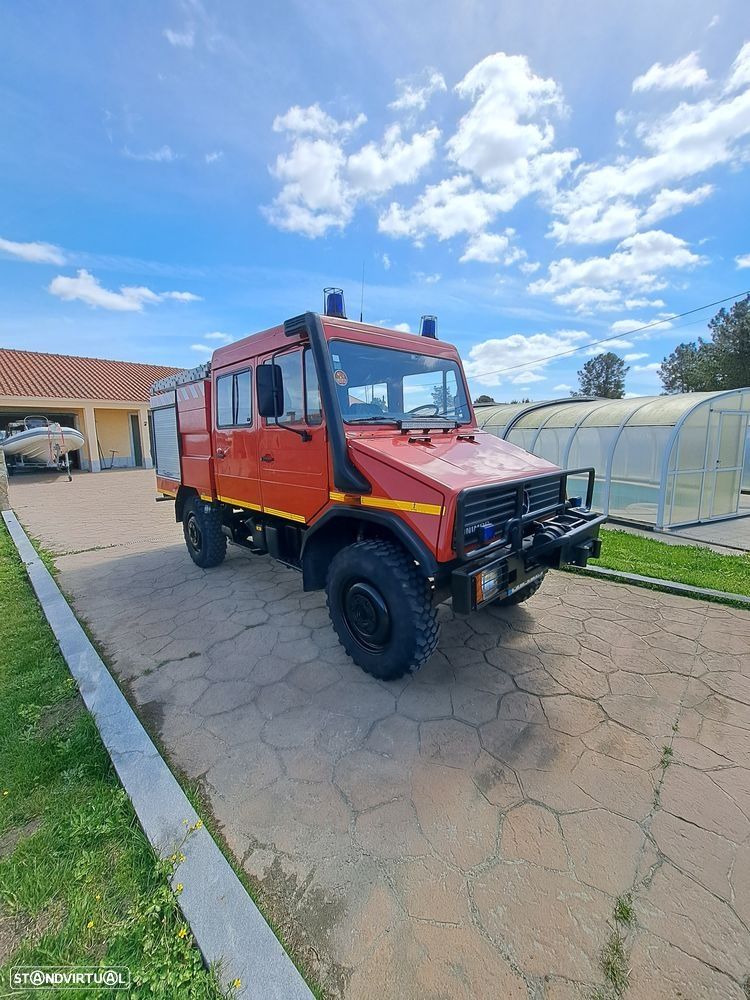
(380, 384)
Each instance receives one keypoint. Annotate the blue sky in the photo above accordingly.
(540, 175)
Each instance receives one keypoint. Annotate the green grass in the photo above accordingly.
(689, 564)
(85, 888)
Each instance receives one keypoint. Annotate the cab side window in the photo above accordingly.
(302, 403)
(224, 403)
(313, 406)
(244, 399)
(291, 371)
(234, 400)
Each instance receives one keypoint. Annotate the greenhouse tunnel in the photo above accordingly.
(660, 461)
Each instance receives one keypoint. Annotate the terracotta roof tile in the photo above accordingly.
(31, 373)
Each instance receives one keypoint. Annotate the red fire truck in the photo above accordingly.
(351, 453)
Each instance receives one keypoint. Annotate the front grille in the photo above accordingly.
(490, 508)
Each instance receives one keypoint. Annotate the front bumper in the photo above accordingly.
(571, 538)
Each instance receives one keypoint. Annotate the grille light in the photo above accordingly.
(486, 532)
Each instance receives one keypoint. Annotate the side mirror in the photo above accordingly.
(270, 384)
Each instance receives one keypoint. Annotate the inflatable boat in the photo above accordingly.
(39, 441)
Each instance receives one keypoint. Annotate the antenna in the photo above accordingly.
(362, 297)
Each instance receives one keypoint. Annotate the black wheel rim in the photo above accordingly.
(366, 615)
(194, 533)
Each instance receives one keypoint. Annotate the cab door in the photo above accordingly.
(293, 453)
(236, 439)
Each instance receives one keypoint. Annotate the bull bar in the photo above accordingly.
(565, 534)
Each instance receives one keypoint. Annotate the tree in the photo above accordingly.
(689, 368)
(720, 363)
(483, 399)
(730, 350)
(604, 376)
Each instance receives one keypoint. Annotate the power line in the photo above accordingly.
(604, 340)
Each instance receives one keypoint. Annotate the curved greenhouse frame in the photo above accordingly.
(659, 460)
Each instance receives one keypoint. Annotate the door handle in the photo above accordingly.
(266, 458)
(221, 453)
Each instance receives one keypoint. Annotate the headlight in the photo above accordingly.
(487, 584)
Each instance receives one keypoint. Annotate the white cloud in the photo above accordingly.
(223, 337)
(180, 296)
(202, 349)
(502, 147)
(562, 387)
(33, 253)
(685, 73)
(631, 325)
(313, 120)
(742, 261)
(443, 210)
(653, 367)
(529, 267)
(600, 282)
(180, 39)
(402, 328)
(86, 288)
(670, 201)
(214, 156)
(414, 96)
(427, 279)
(488, 248)
(322, 185)
(626, 325)
(377, 168)
(487, 360)
(609, 201)
(387, 263)
(714, 21)
(740, 74)
(505, 137)
(635, 357)
(615, 344)
(644, 303)
(165, 154)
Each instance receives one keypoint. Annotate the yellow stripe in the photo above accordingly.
(383, 504)
(265, 510)
(168, 493)
(204, 497)
(240, 503)
(284, 513)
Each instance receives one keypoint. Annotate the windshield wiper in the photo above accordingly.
(381, 419)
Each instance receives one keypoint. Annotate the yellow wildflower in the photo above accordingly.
(236, 983)
(182, 932)
(179, 887)
(90, 924)
(98, 897)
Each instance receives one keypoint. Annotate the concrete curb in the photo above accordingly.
(227, 926)
(678, 588)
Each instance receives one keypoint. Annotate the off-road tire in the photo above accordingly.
(201, 526)
(521, 595)
(366, 571)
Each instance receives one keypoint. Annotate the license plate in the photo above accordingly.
(526, 582)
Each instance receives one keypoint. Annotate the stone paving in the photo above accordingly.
(466, 832)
